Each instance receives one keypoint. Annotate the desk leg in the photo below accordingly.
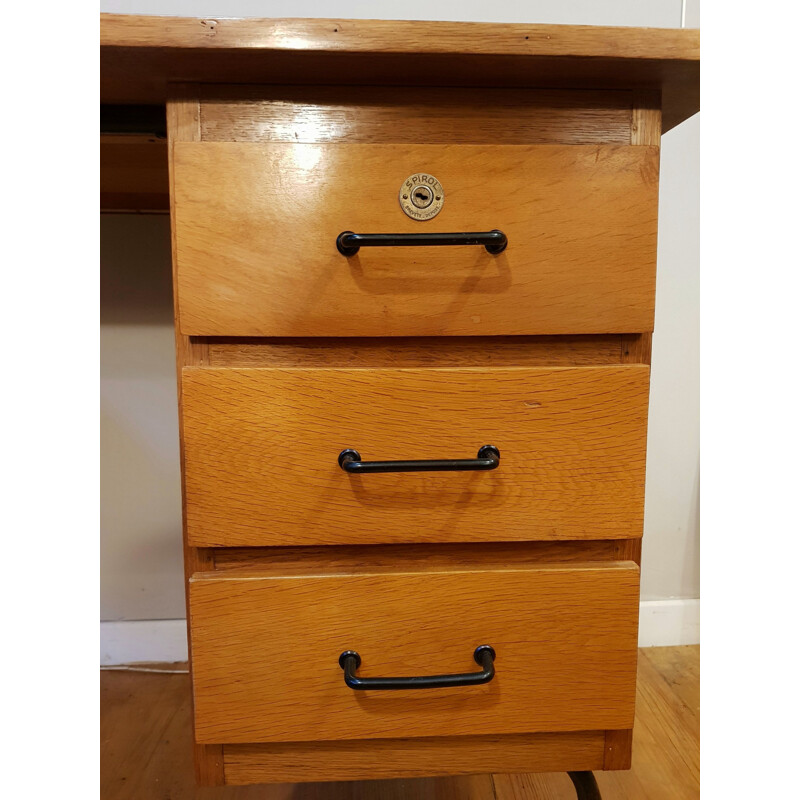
(585, 785)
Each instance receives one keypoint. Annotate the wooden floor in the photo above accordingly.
(145, 750)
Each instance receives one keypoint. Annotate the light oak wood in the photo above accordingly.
(133, 168)
(140, 55)
(391, 758)
(565, 596)
(399, 36)
(669, 719)
(666, 747)
(631, 550)
(617, 754)
(645, 131)
(146, 745)
(261, 449)
(680, 669)
(451, 351)
(256, 226)
(183, 122)
(134, 716)
(646, 118)
(636, 348)
(425, 115)
(265, 652)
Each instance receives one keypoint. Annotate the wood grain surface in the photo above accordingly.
(133, 174)
(431, 351)
(585, 425)
(413, 557)
(133, 168)
(666, 739)
(141, 55)
(183, 121)
(399, 36)
(256, 226)
(265, 652)
(261, 449)
(146, 749)
(390, 758)
(425, 115)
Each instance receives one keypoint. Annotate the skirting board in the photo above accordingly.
(666, 623)
(661, 623)
(129, 641)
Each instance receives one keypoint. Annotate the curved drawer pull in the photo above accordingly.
(349, 243)
(488, 458)
(484, 655)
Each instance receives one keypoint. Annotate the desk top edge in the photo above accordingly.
(141, 55)
(400, 36)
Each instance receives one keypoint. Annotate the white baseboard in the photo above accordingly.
(665, 623)
(129, 641)
(661, 623)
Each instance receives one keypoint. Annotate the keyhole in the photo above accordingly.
(422, 197)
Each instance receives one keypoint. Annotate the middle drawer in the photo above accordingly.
(262, 449)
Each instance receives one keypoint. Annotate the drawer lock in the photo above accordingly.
(421, 196)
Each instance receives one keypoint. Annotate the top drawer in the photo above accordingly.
(256, 227)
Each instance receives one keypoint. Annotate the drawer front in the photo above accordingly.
(265, 652)
(262, 445)
(256, 228)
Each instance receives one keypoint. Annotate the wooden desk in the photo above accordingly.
(303, 360)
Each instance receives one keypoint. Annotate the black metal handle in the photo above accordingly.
(488, 458)
(349, 243)
(484, 655)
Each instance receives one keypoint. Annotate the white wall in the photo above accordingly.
(141, 531)
(141, 573)
(671, 549)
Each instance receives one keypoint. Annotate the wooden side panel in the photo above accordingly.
(411, 758)
(265, 652)
(183, 124)
(646, 119)
(256, 226)
(636, 349)
(645, 132)
(262, 447)
(428, 115)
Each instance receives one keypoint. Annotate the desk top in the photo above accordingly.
(140, 55)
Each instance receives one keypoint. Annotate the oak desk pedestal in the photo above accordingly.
(414, 465)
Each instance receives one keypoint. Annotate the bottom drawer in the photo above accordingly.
(266, 650)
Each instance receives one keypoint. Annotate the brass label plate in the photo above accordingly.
(421, 196)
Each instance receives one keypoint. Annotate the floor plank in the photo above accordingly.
(680, 667)
(145, 747)
(542, 786)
